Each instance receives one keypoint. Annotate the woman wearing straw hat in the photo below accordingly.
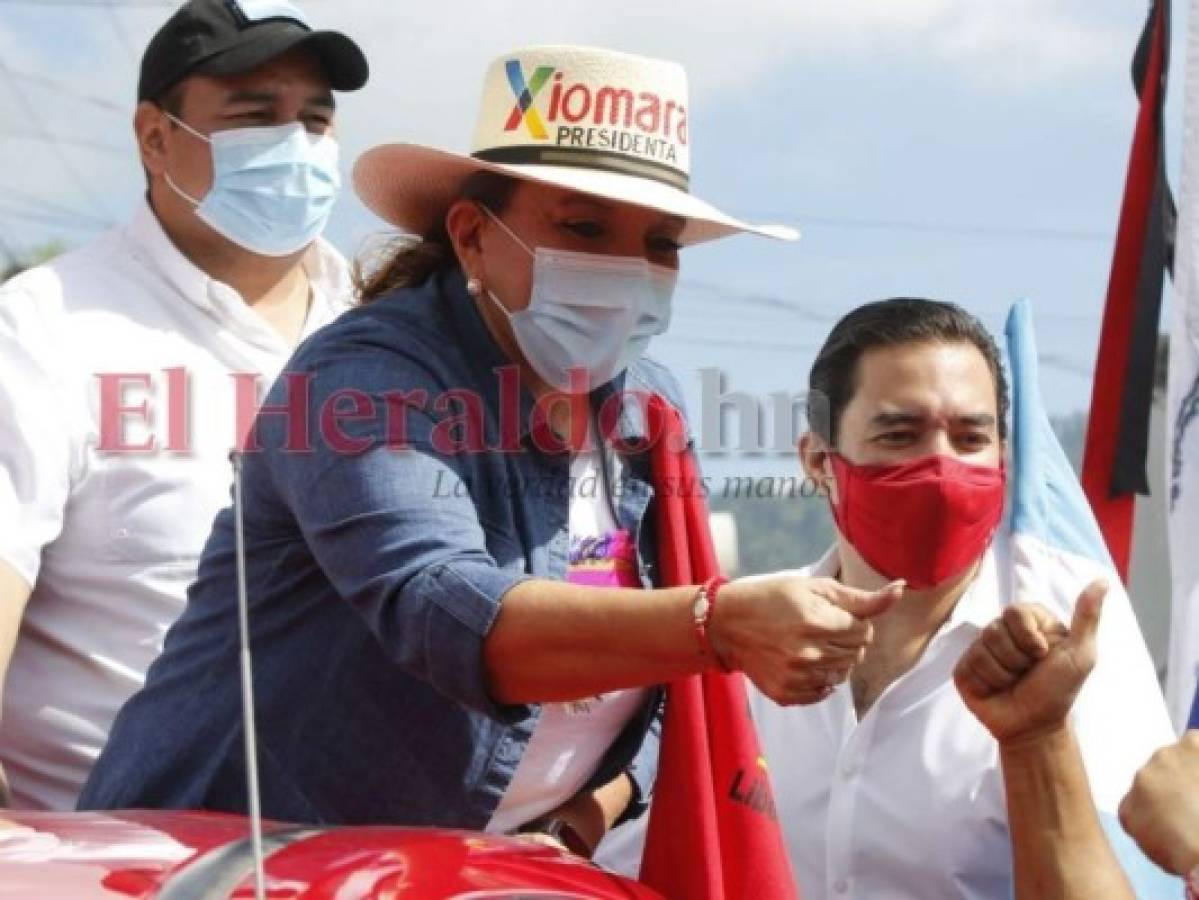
(452, 595)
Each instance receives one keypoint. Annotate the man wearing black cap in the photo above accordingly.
(130, 367)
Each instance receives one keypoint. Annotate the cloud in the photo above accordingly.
(1015, 44)
(859, 109)
(427, 61)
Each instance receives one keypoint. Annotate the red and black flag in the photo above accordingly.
(1118, 428)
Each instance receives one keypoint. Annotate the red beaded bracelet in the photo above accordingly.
(701, 614)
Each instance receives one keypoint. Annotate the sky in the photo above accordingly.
(964, 150)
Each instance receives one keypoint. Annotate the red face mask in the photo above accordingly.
(924, 521)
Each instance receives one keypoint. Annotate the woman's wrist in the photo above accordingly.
(580, 823)
(719, 631)
(703, 613)
(563, 831)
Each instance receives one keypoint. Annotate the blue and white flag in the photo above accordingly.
(1120, 716)
(1182, 413)
(1048, 505)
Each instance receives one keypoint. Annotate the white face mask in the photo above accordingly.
(588, 311)
(273, 187)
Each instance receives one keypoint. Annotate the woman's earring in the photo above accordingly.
(474, 287)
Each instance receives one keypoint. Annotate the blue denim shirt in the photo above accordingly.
(374, 574)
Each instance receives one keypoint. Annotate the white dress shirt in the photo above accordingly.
(110, 541)
(909, 801)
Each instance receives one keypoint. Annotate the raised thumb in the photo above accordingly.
(1084, 626)
(866, 604)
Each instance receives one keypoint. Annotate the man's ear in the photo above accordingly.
(813, 456)
(149, 129)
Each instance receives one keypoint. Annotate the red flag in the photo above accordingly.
(1117, 431)
(713, 832)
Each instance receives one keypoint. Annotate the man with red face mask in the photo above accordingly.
(955, 760)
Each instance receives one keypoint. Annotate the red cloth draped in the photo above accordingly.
(713, 832)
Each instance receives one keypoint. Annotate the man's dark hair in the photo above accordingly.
(172, 98)
(890, 323)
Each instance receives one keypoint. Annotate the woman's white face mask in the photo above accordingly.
(588, 312)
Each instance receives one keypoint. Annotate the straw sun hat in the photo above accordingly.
(596, 121)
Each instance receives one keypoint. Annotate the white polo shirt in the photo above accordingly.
(909, 801)
(110, 540)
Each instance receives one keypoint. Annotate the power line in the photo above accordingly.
(46, 217)
(95, 4)
(1049, 360)
(36, 120)
(114, 149)
(729, 301)
(41, 205)
(685, 311)
(105, 4)
(1065, 364)
(958, 229)
(741, 343)
(755, 298)
(68, 90)
(122, 36)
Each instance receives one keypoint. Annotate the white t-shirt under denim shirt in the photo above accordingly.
(110, 541)
(571, 739)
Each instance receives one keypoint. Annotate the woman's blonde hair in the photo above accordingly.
(408, 261)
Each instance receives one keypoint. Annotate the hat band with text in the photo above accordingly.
(582, 158)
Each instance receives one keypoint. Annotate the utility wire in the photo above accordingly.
(45, 217)
(957, 229)
(123, 38)
(35, 119)
(96, 4)
(741, 343)
(103, 4)
(114, 149)
(730, 303)
(51, 207)
(68, 90)
(755, 298)
(1050, 360)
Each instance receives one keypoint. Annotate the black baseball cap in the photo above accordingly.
(228, 37)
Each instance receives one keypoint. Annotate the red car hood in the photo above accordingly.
(207, 856)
